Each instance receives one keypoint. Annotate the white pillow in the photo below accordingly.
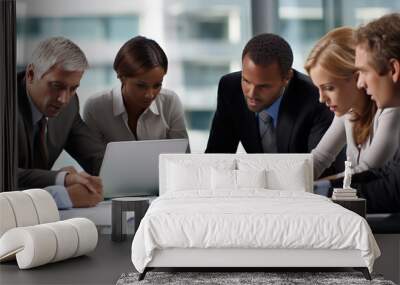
(237, 179)
(280, 174)
(292, 179)
(186, 175)
(183, 178)
(251, 179)
(223, 179)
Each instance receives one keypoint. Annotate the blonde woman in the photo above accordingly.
(371, 135)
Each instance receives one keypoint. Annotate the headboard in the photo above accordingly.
(273, 159)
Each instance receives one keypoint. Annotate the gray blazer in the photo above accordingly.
(65, 131)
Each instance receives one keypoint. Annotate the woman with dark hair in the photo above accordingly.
(138, 109)
(371, 135)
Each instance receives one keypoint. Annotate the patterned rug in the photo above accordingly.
(243, 278)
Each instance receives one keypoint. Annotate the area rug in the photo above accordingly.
(244, 278)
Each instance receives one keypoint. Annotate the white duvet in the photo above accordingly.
(254, 218)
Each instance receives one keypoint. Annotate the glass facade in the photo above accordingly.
(192, 26)
(303, 22)
(199, 74)
(203, 40)
(87, 28)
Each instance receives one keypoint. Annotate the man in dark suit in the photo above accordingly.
(49, 122)
(268, 106)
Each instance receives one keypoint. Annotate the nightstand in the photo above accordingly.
(120, 206)
(358, 205)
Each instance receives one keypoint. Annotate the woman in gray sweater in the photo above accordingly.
(371, 135)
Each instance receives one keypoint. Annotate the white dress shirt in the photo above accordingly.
(106, 114)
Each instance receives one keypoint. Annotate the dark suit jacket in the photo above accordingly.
(302, 120)
(65, 131)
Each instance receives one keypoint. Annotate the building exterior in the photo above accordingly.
(202, 39)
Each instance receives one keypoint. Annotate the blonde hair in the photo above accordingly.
(335, 52)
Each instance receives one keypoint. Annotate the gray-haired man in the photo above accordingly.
(49, 122)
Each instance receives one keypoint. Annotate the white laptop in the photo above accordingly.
(130, 168)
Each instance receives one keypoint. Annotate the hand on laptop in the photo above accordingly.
(81, 196)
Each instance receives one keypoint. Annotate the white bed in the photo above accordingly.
(225, 216)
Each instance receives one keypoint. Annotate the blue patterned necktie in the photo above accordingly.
(267, 132)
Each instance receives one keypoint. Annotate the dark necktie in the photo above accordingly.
(41, 155)
(267, 133)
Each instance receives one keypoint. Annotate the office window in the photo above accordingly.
(70, 27)
(200, 74)
(96, 76)
(200, 82)
(202, 27)
(85, 28)
(28, 27)
(89, 28)
(359, 12)
(199, 119)
(204, 42)
(301, 23)
(122, 27)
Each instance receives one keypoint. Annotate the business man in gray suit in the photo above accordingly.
(49, 122)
